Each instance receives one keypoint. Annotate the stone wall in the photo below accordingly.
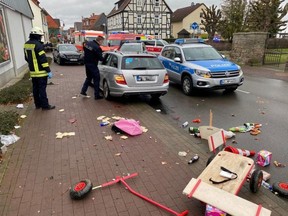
(248, 47)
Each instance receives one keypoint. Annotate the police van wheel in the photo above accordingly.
(106, 91)
(187, 85)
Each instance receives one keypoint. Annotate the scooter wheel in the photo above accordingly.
(281, 188)
(256, 180)
(80, 189)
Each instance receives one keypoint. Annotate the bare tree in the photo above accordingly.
(210, 21)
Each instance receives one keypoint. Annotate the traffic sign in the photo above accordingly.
(194, 25)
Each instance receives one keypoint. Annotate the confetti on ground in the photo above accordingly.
(144, 129)
(100, 118)
(117, 117)
(60, 135)
(124, 137)
(108, 138)
(72, 120)
(106, 119)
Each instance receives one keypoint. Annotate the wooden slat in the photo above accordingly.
(224, 200)
(233, 162)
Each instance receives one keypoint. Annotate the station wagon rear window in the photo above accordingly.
(141, 63)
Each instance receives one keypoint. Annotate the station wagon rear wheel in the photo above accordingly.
(106, 91)
(187, 85)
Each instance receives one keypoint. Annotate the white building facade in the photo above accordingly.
(150, 17)
(16, 17)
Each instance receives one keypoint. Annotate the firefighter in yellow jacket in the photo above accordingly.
(39, 68)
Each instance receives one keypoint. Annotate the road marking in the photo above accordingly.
(246, 92)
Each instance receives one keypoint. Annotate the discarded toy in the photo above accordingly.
(281, 188)
(264, 158)
(239, 151)
(82, 188)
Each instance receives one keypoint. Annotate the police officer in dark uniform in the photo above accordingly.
(39, 68)
(92, 55)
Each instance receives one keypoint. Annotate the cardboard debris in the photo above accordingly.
(60, 135)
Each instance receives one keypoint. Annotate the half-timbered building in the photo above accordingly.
(151, 17)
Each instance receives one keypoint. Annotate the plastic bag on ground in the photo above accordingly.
(9, 139)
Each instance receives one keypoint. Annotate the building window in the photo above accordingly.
(157, 3)
(139, 2)
(201, 14)
(156, 19)
(139, 21)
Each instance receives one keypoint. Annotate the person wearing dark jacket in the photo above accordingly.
(92, 55)
(39, 68)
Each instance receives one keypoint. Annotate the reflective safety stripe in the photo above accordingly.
(45, 65)
(36, 72)
(41, 53)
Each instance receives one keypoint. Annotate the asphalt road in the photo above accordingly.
(259, 100)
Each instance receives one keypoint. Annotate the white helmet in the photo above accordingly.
(37, 31)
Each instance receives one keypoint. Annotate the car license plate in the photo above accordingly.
(227, 81)
(142, 78)
(73, 59)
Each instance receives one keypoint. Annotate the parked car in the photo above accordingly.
(133, 47)
(155, 46)
(200, 66)
(67, 53)
(124, 74)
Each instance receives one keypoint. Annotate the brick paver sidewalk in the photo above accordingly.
(42, 168)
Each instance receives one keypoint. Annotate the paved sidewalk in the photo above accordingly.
(42, 168)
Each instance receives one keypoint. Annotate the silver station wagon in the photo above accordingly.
(124, 74)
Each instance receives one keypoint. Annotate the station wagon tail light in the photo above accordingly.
(120, 79)
(166, 78)
(205, 74)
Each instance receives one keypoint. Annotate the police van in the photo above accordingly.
(196, 65)
(154, 46)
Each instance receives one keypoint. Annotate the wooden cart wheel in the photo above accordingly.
(281, 188)
(256, 180)
(81, 189)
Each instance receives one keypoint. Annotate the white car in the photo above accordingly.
(124, 74)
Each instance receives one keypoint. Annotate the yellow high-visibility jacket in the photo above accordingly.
(36, 58)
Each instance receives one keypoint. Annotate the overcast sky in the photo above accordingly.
(70, 11)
